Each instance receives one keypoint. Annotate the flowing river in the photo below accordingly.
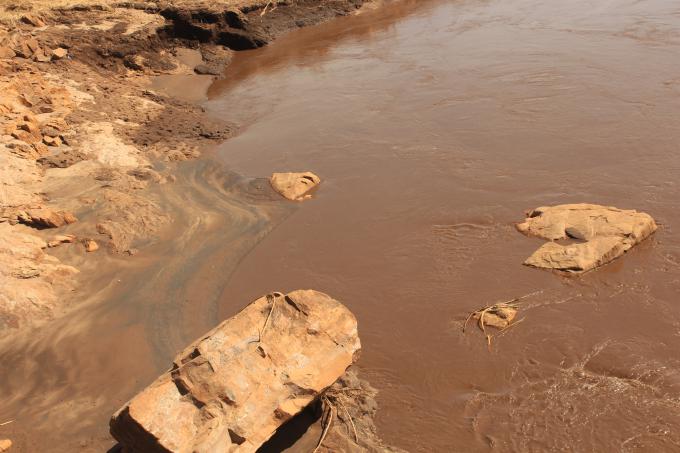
(434, 126)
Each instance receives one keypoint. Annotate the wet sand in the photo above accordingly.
(433, 135)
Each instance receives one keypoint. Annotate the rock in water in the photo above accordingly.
(90, 245)
(294, 186)
(608, 233)
(5, 445)
(230, 390)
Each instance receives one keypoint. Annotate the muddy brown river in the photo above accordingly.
(434, 132)
(434, 125)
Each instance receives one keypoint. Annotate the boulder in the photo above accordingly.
(230, 390)
(294, 186)
(606, 232)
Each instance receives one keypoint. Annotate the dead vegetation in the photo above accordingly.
(500, 315)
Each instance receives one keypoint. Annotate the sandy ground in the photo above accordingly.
(94, 180)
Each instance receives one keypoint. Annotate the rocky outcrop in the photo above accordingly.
(606, 234)
(232, 389)
(46, 218)
(31, 281)
(294, 186)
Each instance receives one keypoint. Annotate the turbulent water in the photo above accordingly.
(434, 126)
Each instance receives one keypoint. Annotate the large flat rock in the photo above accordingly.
(606, 234)
(230, 390)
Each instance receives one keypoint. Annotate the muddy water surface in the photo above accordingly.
(435, 125)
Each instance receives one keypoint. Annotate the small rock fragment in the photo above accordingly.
(33, 20)
(42, 56)
(61, 239)
(499, 316)
(59, 53)
(135, 62)
(90, 245)
(51, 141)
(294, 186)
(5, 445)
(206, 70)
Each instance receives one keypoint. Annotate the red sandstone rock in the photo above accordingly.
(230, 390)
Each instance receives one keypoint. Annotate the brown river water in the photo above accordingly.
(434, 125)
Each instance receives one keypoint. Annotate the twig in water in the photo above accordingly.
(502, 311)
(6, 423)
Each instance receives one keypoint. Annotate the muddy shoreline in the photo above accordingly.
(162, 218)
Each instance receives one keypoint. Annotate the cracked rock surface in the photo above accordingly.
(230, 390)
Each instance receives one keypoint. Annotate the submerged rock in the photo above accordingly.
(232, 389)
(608, 233)
(294, 186)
